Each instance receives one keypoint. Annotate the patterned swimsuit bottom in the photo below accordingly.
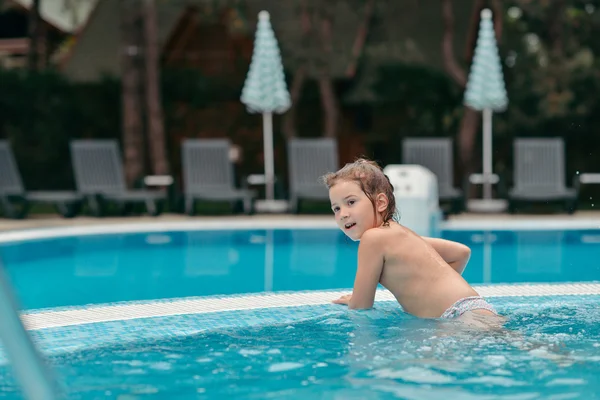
(467, 304)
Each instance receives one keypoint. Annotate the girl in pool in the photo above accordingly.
(424, 274)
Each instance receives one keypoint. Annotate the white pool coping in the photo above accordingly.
(122, 312)
(525, 224)
(292, 223)
(163, 226)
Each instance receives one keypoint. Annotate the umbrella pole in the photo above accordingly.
(487, 153)
(268, 155)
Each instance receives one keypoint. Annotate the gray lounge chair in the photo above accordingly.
(308, 160)
(539, 173)
(208, 174)
(99, 177)
(435, 154)
(15, 200)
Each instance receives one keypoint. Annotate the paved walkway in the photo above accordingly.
(52, 220)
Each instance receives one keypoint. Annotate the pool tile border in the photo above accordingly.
(86, 329)
(44, 319)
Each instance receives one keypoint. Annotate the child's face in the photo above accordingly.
(352, 208)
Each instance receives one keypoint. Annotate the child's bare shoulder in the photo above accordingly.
(382, 234)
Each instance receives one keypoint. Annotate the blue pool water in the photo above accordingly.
(549, 350)
(109, 268)
(550, 347)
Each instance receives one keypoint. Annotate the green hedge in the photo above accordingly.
(40, 113)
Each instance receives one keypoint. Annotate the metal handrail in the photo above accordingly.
(30, 369)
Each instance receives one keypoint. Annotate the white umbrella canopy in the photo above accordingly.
(265, 90)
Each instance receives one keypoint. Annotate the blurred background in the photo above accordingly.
(367, 73)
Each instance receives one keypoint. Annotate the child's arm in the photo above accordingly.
(370, 266)
(457, 255)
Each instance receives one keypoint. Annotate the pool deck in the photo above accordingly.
(52, 220)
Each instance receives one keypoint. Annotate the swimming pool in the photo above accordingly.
(160, 313)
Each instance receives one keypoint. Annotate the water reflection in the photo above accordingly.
(216, 255)
(109, 268)
(321, 260)
(530, 256)
(539, 252)
(103, 264)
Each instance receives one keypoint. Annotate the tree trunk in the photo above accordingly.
(360, 39)
(556, 27)
(156, 131)
(473, 29)
(466, 139)
(497, 15)
(452, 67)
(329, 103)
(498, 19)
(328, 97)
(470, 119)
(326, 88)
(34, 36)
(133, 140)
(289, 118)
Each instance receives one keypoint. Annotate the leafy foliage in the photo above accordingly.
(553, 75)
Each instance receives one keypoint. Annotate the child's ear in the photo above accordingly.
(382, 202)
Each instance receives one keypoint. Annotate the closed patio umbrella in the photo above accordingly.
(265, 90)
(486, 91)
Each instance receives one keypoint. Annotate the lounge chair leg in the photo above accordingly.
(61, 208)
(570, 205)
(74, 209)
(462, 205)
(154, 208)
(95, 204)
(294, 205)
(456, 206)
(12, 211)
(125, 208)
(150, 207)
(67, 209)
(189, 206)
(248, 205)
(7, 208)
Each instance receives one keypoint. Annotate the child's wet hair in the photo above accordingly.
(370, 178)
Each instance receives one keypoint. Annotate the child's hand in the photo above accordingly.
(343, 300)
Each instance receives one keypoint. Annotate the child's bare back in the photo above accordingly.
(422, 282)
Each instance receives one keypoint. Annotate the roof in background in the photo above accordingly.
(97, 50)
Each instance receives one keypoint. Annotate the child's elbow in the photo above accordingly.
(465, 252)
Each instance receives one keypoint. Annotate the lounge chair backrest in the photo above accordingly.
(206, 165)
(435, 154)
(10, 178)
(97, 166)
(539, 162)
(309, 159)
